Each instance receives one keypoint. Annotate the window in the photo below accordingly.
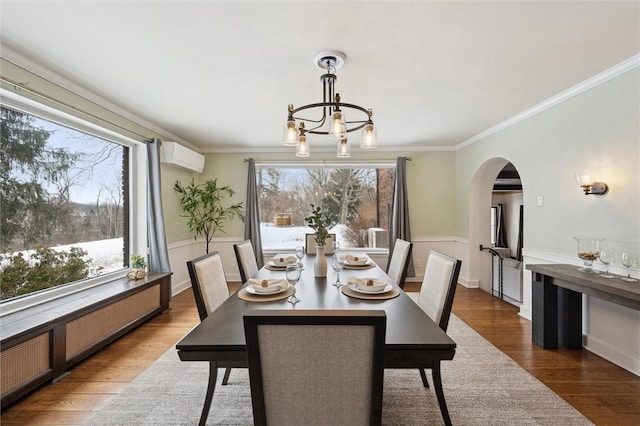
(494, 225)
(64, 204)
(356, 197)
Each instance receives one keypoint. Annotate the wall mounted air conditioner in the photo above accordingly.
(180, 156)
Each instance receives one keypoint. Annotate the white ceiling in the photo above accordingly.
(220, 74)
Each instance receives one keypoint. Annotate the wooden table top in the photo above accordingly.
(411, 337)
(614, 290)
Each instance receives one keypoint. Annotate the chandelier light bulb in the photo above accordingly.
(302, 149)
(369, 137)
(290, 134)
(338, 127)
(344, 150)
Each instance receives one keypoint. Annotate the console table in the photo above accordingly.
(557, 301)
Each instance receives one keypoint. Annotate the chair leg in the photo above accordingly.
(211, 387)
(423, 375)
(437, 383)
(225, 378)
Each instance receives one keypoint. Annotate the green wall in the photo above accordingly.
(430, 176)
(598, 129)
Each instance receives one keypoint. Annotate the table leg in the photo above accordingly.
(544, 315)
(211, 387)
(437, 384)
(569, 318)
(423, 376)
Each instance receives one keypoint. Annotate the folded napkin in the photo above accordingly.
(268, 286)
(367, 284)
(355, 260)
(284, 260)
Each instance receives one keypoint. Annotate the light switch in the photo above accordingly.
(540, 201)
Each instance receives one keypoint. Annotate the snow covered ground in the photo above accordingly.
(104, 253)
(108, 253)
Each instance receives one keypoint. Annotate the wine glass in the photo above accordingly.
(293, 275)
(300, 255)
(628, 261)
(607, 256)
(337, 264)
(335, 246)
(588, 251)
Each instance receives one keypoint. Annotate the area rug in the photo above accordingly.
(482, 386)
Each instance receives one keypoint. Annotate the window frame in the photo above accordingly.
(137, 214)
(329, 164)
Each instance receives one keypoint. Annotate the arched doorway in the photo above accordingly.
(484, 188)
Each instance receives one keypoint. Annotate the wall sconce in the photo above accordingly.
(588, 183)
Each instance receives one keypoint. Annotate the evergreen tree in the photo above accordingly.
(28, 213)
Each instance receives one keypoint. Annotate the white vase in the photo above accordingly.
(320, 263)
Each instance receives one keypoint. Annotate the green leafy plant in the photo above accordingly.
(44, 269)
(203, 204)
(137, 261)
(320, 222)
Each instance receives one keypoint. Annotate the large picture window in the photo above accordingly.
(356, 197)
(63, 205)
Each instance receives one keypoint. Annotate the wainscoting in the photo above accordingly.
(182, 251)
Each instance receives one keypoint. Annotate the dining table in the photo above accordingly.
(413, 339)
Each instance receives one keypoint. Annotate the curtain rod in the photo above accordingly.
(83, 114)
(323, 162)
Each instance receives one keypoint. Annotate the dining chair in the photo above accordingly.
(399, 261)
(246, 257)
(210, 290)
(437, 292)
(310, 244)
(316, 366)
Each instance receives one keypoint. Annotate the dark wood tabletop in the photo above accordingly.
(614, 290)
(412, 338)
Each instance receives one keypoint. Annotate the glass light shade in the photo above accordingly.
(338, 127)
(290, 134)
(302, 149)
(369, 137)
(344, 150)
(585, 177)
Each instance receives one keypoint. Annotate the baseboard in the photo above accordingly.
(468, 283)
(613, 354)
(177, 288)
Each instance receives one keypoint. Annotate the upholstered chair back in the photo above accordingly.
(399, 261)
(316, 367)
(439, 286)
(246, 258)
(209, 283)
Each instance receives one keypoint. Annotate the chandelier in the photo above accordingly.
(333, 115)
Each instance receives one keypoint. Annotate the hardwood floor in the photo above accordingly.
(605, 393)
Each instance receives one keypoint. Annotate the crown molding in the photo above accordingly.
(598, 79)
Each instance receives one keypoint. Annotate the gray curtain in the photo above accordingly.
(158, 254)
(399, 222)
(252, 220)
(501, 231)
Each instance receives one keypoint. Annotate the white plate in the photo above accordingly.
(369, 264)
(252, 290)
(273, 265)
(357, 289)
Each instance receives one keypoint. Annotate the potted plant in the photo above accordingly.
(320, 222)
(137, 264)
(203, 204)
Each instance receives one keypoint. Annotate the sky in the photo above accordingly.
(104, 179)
